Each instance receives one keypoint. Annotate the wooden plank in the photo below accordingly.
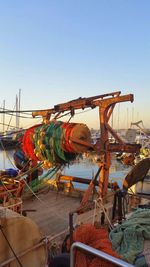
(52, 211)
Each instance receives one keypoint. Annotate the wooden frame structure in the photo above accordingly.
(103, 147)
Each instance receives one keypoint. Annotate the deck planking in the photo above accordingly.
(52, 211)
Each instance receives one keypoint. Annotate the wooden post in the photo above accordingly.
(106, 107)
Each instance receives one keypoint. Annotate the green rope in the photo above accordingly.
(37, 183)
(48, 140)
(49, 144)
(37, 139)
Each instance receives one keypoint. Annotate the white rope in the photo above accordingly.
(30, 170)
(101, 203)
(103, 208)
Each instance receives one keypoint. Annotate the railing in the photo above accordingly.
(97, 253)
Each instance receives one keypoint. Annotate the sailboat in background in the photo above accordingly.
(9, 137)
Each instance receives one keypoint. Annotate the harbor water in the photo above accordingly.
(83, 167)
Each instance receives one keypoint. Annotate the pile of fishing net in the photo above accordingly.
(97, 238)
(56, 142)
(131, 239)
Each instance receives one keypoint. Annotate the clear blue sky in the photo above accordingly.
(58, 50)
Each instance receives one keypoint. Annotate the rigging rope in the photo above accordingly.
(19, 262)
(10, 120)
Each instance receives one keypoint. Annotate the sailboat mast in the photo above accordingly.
(19, 107)
(16, 111)
(3, 116)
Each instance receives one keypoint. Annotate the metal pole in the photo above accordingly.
(97, 253)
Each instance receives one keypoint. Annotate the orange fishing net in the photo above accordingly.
(96, 238)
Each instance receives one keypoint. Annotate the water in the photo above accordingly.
(82, 168)
(87, 169)
(6, 159)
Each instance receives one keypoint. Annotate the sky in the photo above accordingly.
(59, 50)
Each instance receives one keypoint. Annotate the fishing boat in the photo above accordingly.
(10, 138)
(8, 142)
(43, 216)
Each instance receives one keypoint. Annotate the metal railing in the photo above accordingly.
(97, 253)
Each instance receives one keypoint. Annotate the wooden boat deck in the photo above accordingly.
(51, 211)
